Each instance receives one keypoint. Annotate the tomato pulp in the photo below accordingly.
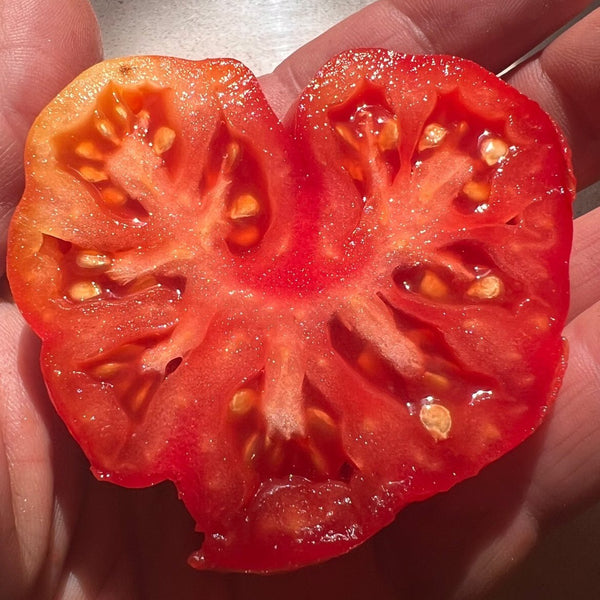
(306, 326)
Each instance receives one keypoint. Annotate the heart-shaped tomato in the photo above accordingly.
(304, 327)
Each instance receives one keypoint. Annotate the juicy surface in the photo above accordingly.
(303, 329)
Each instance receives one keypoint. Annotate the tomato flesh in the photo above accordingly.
(304, 327)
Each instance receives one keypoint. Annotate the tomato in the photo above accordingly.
(307, 326)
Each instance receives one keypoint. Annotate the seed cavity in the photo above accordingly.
(244, 236)
(163, 140)
(486, 288)
(493, 150)
(437, 419)
(432, 137)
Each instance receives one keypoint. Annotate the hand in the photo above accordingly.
(65, 535)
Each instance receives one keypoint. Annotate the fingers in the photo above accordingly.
(565, 80)
(568, 471)
(493, 34)
(43, 45)
(585, 266)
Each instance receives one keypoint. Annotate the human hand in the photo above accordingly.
(66, 535)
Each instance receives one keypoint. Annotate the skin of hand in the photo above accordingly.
(65, 536)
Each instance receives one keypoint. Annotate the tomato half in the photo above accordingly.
(304, 327)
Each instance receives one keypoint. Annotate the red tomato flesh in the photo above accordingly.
(304, 327)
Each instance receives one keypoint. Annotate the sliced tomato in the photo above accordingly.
(306, 327)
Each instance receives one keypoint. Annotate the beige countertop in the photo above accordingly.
(261, 33)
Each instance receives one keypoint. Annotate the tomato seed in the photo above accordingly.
(107, 370)
(433, 136)
(84, 290)
(437, 420)
(243, 401)
(432, 286)
(253, 448)
(114, 196)
(92, 174)
(320, 424)
(476, 191)
(107, 130)
(244, 205)
(493, 150)
(232, 154)
(91, 259)
(486, 288)
(163, 140)
(436, 381)
(389, 135)
(88, 150)
(347, 134)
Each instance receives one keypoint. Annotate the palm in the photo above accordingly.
(66, 535)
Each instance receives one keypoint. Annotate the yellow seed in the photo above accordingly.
(253, 448)
(122, 112)
(138, 399)
(486, 288)
(433, 136)
(243, 401)
(370, 363)
(355, 171)
(244, 205)
(493, 150)
(347, 134)
(245, 236)
(88, 150)
(275, 453)
(232, 153)
(107, 370)
(432, 286)
(114, 196)
(163, 140)
(436, 381)
(389, 135)
(92, 259)
(92, 174)
(319, 423)
(84, 290)
(437, 420)
(477, 191)
(317, 459)
(107, 130)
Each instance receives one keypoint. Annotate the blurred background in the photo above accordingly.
(261, 33)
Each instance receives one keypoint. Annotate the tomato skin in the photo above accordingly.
(308, 327)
